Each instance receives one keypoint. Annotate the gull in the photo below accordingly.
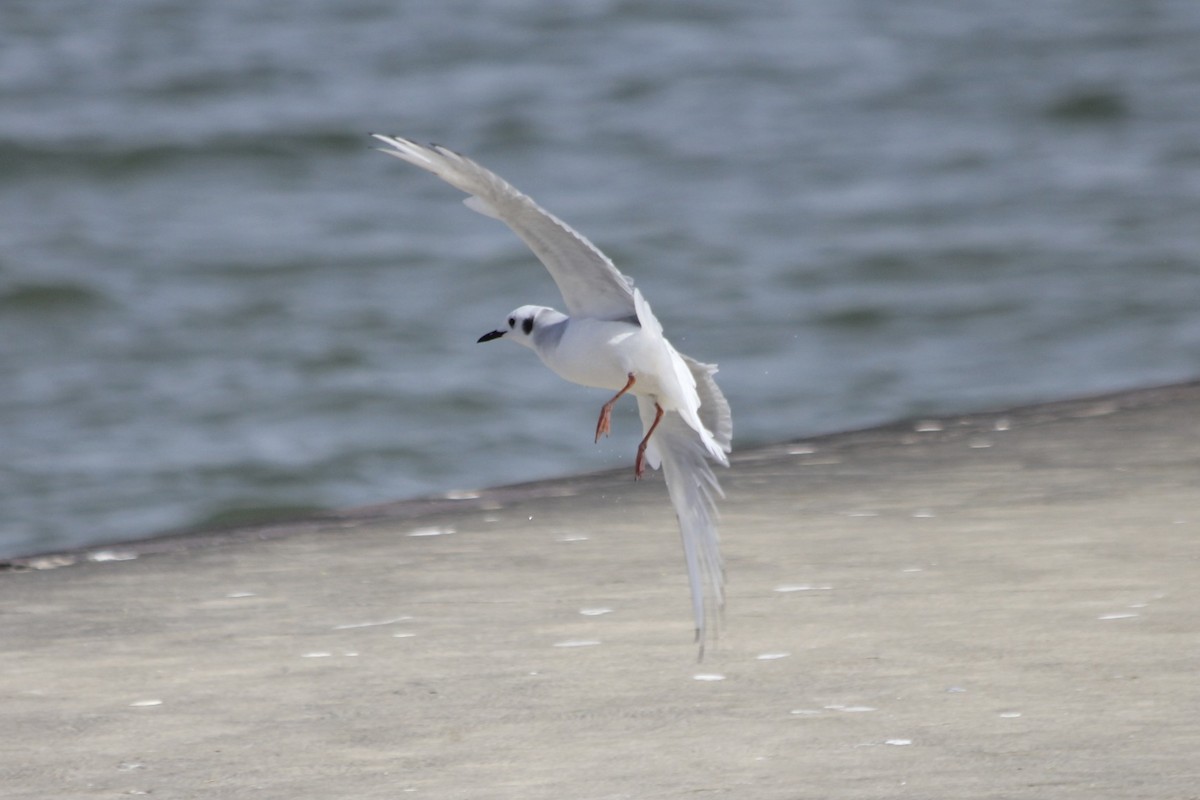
(610, 339)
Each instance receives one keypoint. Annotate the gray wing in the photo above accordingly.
(590, 284)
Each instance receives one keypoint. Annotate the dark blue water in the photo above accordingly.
(216, 302)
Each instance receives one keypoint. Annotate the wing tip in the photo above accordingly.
(404, 149)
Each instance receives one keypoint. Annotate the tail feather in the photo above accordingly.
(714, 408)
(693, 489)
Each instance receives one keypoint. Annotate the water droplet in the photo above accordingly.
(432, 531)
(146, 703)
(352, 625)
(801, 587)
(928, 426)
(1101, 409)
(572, 537)
(898, 742)
(595, 612)
(771, 656)
(462, 494)
(50, 562)
(801, 450)
(317, 654)
(979, 444)
(1125, 615)
(851, 709)
(1010, 714)
(708, 676)
(578, 643)
(403, 635)
(805, 712)
(236, 595)
(112, 555)
(923, 514)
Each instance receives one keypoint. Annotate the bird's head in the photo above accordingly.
(523, 323)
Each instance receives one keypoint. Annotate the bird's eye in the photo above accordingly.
(511, 322)
(527, 325)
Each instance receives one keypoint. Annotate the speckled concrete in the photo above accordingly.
(999, 606)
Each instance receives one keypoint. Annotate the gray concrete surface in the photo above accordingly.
(997, 606)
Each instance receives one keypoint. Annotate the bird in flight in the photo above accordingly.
(610, 339)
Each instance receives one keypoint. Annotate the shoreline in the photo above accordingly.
(467, 500)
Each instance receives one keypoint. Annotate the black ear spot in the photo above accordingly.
(527, 325)
(511, 322)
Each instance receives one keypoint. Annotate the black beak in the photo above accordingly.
(487, 337)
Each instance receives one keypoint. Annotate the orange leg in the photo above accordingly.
(639, 465)
(604, 424)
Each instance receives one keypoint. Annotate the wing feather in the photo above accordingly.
(590, 283)
(714, 408)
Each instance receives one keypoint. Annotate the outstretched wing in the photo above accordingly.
(590, 284)
(694, 491)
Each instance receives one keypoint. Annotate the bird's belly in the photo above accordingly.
(602, 354)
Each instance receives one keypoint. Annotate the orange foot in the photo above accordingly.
(639, 464)
(604, 424)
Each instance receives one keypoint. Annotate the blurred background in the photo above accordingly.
(218, 304)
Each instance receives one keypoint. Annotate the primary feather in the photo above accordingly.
(590, 284)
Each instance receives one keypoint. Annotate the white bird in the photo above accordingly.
(611, 340)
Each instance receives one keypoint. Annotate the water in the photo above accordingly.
(216, 303)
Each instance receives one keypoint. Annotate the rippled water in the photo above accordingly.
(217, 303)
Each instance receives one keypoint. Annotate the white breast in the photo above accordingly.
(602, 353)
